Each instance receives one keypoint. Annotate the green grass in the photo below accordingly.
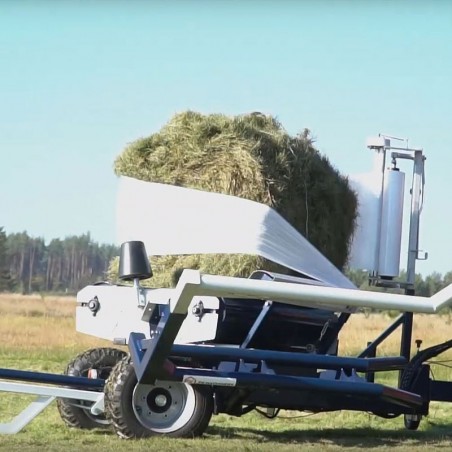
(48, 342)
(252, 432)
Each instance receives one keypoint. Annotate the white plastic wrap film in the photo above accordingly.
(391, 223)
(175, 220)
(365, 244)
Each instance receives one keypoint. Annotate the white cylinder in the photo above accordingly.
(391, 224)
(363, 254)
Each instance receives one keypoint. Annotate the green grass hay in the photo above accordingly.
(253, 157)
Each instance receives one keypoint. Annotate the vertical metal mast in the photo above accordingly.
(413, 241)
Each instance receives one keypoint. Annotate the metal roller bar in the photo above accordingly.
(289, 358)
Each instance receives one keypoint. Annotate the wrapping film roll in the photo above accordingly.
(363, 253)
(175, 220)
(391, 224)
(377, 240)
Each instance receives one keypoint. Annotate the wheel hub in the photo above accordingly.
(161, 408)
(159, 400)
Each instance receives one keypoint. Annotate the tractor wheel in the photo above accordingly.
(167, 408)
(412, 421)
(76, 413)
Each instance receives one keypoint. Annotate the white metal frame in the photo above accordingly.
(45, 396)
(192, 283)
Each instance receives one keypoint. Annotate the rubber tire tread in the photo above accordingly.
(118, 406)
(412, 369)
(410, 424)
(75, 417)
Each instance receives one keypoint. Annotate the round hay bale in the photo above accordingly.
(253, 157)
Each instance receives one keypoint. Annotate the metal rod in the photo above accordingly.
(413, 241)
(382, 157)
(321, 385)
(257, 323)
(287, 358)
(405, 339)
(403, 149)
(42, 377)
(375, 343)
(301, 295)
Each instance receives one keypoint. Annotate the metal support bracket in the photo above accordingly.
(257, 323)
(46, 395)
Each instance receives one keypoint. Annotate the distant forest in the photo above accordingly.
(28, 265)
(423, 286)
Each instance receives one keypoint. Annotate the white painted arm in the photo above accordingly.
(193, 283)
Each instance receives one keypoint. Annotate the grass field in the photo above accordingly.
(38, 333)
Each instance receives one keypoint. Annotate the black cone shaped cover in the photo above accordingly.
(133, 261)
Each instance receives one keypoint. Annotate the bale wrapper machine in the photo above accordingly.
(216, 344)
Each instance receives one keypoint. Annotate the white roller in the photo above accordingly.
(365, 244)
(176, 220)
(391, 223)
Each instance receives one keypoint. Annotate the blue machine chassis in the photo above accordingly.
(243, 378)
(278, 379)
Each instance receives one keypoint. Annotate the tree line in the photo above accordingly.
(28, 264)
(424, 287)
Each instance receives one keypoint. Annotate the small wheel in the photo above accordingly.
(412, 421)
(76, 413)
(167, 408)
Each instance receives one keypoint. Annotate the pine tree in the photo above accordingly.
(5, 279)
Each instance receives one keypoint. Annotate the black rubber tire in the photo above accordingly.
(412, 422)
(101, 359)
(119, 390)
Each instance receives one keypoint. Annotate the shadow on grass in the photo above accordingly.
(364, 437)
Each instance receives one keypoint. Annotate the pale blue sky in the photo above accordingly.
(81, 79)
